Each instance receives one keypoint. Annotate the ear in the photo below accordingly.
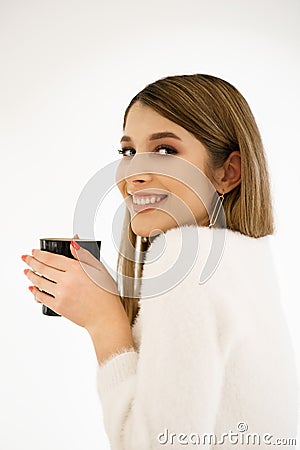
(228, 176)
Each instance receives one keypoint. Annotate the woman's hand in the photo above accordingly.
(83, 291)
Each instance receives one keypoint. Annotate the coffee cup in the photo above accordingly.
(61, 246)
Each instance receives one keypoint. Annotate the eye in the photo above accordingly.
(162, 150)
(126, 151)
(165, 150)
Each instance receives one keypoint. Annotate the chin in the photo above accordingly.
(146, 232)
(152, 228)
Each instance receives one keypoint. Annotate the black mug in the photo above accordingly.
(61, 246)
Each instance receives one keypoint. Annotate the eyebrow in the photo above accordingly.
(155, 136)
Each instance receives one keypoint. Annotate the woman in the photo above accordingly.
(181, 356)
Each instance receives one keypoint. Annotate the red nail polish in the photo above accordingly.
(30, 288)
(25, 271)
(75, 245)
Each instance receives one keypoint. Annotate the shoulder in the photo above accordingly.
(207, 256)
(216, 280)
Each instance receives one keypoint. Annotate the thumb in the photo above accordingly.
(76, 236)
(84, 256)
(94, 268)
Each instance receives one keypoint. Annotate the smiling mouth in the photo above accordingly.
(147, 202)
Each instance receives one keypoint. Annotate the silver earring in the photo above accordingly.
(216, 210)
(144, 239)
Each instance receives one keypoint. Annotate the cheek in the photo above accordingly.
(121, 187)
(183, 192)
(187, 197)
(120, 176)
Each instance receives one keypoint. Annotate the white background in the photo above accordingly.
(68, 70)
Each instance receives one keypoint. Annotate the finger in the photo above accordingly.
(94, 268)
(59, 262)
(84, 256)
(76, 236)
(41, 283)
(43, 297)
(42, 269)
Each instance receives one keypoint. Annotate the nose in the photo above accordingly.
(138, 179)
(136, 171)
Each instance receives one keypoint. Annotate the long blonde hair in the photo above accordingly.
(218, 116)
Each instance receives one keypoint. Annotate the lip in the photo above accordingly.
(149, 206)
(144, 193)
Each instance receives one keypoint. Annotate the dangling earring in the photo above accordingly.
(216, 210)
(144, 239)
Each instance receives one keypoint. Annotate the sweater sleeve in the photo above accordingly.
(169, 389)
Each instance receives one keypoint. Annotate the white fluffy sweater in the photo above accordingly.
(211, 357)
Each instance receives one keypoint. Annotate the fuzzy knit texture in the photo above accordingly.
(212, 351)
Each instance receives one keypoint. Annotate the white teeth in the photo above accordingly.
(146, 200)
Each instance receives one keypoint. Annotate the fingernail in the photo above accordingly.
(75, 245)
(30, 288)
(25, 271)
(23, 257)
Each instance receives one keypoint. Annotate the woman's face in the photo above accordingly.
(158, 201)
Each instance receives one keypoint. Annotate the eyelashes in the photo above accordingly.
(125, 151)
(128, 151)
